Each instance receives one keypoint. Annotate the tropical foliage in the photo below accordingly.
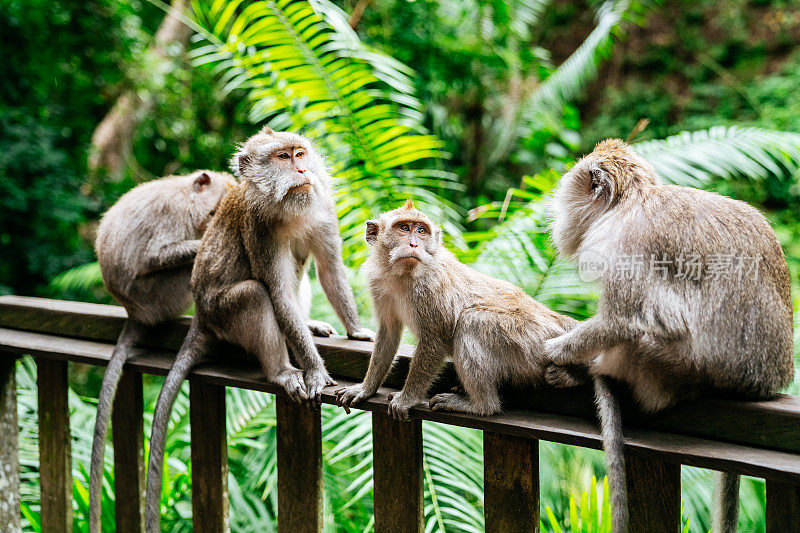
(483, 105)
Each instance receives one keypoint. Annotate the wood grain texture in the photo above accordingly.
(654, 495)
(573, 430)
(397, 474)
(299, 448)
(769, 424)
(209, 457)
(510, 483)
(783, 507)
(55, 468)
(128, 436)
(9, 446)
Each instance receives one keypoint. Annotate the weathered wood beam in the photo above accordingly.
(209, 457)
(128, 437)
(299, 449)
(397, 474)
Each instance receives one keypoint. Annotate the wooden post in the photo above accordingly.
(128, 436)
(397, 474)
(9, 444)
(510, 483)
(783, 506)
(654, 495)
(209, 458)
(299, 443)
(55, 469)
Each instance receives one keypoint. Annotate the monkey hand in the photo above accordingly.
(557, 350)
(348, 396)
(320, 328)
(565, 376)
(361, 334)
(316, 379)
(399, 406)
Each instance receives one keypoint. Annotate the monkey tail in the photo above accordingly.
(611, 430)
(193, 347)
(131, 333)
(726, 503)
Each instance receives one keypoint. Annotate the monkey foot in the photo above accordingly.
(320, 328)
(362, 334)
(348, 396)
(292, 381)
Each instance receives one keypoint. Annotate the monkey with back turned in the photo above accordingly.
(493, 331)
(248, 272)
(146, 244)
(673, 321)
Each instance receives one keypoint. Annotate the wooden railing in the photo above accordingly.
(756, 438)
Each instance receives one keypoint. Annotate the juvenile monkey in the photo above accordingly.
(146, 244)
(695, 298)
(246, 276)
(493, 331)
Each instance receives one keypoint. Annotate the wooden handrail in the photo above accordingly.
(755, 438)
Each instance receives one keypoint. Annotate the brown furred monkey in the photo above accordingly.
(673, 321)
(494, 331)
(247, 273)
(146, 244)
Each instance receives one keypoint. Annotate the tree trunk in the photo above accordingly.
(112, 138)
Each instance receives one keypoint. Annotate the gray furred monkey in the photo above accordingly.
(493, 331)
(247, 274)
(145, 245)
(671, 331)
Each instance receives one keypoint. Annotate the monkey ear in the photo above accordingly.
(600, 186)
(372, 231)
(201, 182)
(239, 162)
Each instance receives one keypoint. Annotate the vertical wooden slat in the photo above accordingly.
(9, 444)
(654, 495)
(783, 507)
(397, 474)
(128, 436)
(299, 443)
(510, 483)
(209, 458)
(55, 476)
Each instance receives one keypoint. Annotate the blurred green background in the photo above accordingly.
(473, 107)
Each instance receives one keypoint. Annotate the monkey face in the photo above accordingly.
(284, 166)
(406, 236)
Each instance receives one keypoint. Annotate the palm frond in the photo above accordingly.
(697, 158)
(542, 109)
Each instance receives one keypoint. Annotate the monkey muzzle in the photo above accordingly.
(302, 188)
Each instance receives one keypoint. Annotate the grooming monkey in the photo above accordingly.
(246, 276)
(493, 330)
(146, 244)
(671, 330)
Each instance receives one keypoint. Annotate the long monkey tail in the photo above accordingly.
(194, 346)
(131, 333)
(611, 430)
(726, 503)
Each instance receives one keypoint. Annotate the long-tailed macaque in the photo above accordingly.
(146, 244)
(695, 298)
(493, 331)
(246, 277)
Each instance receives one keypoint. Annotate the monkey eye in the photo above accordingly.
(421, 230)
(283, 155)
(299, 154)
(404, 227)
(212, 213)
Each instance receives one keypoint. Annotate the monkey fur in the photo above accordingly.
(670, 336)
(145, 245)
(492, 329)
(247, 274)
